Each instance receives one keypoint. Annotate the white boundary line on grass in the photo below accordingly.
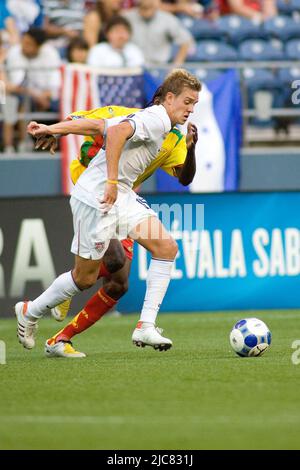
(40, 419)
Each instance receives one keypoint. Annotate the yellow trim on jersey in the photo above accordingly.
(76, 169)
(106, 112)
(171, 155)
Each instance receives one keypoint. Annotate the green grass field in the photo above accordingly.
(198, 395)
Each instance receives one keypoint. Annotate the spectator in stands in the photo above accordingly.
(156, 32)
(124, 3)
(128, 4)
(64, 19)
(26, 13)
(32, 76)
(183, 7)
(3, 53)
(8, 28)
(77, 51)
(258, 10)
(117, 51)
(96, 20)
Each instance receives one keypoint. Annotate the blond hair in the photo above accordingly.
(177, 80)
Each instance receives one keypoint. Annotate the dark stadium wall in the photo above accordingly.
(23, 175)
(260, 170)
(35, 240)
(271, 169)
(243, 254)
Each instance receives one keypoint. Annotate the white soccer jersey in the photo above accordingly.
(150, 129)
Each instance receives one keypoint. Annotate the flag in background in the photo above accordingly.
(217, 116)
(219, 121)
(84, 88)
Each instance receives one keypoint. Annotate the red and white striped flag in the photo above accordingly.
(79, 92)
(84, 88)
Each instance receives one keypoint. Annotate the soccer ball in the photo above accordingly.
(250, 337)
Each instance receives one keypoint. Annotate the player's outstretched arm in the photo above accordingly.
(187, 171)
(116, 137)
(77, 126)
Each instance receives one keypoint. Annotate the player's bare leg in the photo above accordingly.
(152, 235)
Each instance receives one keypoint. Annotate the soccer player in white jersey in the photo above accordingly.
(104, 207)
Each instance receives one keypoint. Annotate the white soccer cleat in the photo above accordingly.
(26, 329)
(150, 336)
(62, 349)
(61, 311)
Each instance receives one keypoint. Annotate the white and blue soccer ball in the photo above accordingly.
(250, 337)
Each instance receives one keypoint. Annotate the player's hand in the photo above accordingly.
(48, 142)
(109, 198)
(192, 135)
(35, 129)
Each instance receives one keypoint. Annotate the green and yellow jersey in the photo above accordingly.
(171, 155)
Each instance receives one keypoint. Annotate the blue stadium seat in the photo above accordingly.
(205, 75)
(202, 29)
(292, 49)
(212, 51)
(286, 77)
(260, 79)
(295, 5)
(258, 49)
(289, 96)
(284, 7)
(282, 27)
(159, 74)
(237, 29)
(288, 74)
(262, 86)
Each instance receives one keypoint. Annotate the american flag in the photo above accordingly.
(84, 88)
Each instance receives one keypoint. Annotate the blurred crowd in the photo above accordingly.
(37, 36)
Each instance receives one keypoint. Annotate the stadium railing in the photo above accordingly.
(256, 130)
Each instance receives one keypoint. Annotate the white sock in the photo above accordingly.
(158, 279)
(61, 289)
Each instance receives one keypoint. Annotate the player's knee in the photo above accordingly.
(84, 281)
(166, 249)
(114, 259)
(116, 290)
(115, 263)
(173, 247)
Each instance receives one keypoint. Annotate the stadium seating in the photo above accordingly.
(159, 74)
(212, 51)
(289, 7)
(258, 49)
(284, 7)
(293, 49)
(205, 75)
(282, 27)
(263, 92)
(259, 79)
(202, 29)
(236, 29)
(286, 77)
(295, 6)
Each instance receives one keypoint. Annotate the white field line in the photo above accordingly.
(134, 420)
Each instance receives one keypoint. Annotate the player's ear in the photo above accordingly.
(169, 97)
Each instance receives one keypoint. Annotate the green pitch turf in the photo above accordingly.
(198, 395)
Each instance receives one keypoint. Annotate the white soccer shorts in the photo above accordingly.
(93, 230)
